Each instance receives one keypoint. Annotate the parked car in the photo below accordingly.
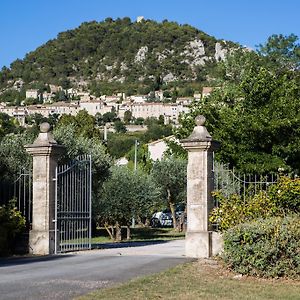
(161, 219)
(164, 218)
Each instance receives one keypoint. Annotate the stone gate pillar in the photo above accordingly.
(45, 152)
(200, 240)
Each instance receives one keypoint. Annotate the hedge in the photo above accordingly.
(264, 247)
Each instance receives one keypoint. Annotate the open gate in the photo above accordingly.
(73, 205)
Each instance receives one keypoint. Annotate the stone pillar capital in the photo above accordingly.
(196, 146)
(44, 150)
(200, 139)
(44, 144)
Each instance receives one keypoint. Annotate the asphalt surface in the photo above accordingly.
(69, 275)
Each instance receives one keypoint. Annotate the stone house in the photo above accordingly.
(157, 148)
(32, 93)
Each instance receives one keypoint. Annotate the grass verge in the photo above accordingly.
(200, 280)
(140, 234)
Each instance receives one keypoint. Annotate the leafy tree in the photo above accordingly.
(83, 123)
(282, 51)
(139, 121)
(170, 176)
(167, 94)
(119, 144)
(13, 156)
(127, 116)
(161, 120)
(187, 92)
(109, 117)
(125, 195)
(60, 96)
(254, 114)
(99, 119)
(119, 126)
(31, 101)
(12, 97)
(65, 83)
(156, 131)
(7, 125)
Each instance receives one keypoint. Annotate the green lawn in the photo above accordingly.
(200, 280)
(140, 234)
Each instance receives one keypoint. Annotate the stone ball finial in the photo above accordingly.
(200, 120)
(44, 127)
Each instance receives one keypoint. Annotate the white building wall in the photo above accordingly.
(92, 107)
(157, 149)
(32, 94)
(170, 111)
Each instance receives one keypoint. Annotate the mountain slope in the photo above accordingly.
(120, 51)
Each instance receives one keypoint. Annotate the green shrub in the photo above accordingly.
(11, 223)
(280, 199)
(286, 194)
(234, 210)
(266, 248)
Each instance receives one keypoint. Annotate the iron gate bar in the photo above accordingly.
(73, 205)
(230, 182)
(22, 192)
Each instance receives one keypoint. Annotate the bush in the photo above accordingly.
(234, 210)
(286, 194)
(266, 248)
(280, 199)
(11, 223)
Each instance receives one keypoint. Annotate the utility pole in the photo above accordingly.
(136, 143)
(105, 133)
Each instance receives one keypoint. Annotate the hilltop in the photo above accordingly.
(113, 55)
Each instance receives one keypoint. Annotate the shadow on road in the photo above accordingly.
(126, 244)
(11, 261)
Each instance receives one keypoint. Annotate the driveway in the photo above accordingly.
(68, 275)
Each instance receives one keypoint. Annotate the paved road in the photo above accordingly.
(69, 275)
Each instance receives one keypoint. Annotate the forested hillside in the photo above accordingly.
(119, 54)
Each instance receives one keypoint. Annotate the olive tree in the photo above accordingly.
(126, 194)
(170, 176)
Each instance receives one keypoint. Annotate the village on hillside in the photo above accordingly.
(140, 106)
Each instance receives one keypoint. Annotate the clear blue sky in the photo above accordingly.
(27, 24)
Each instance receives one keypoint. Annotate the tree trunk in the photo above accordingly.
(113, 231)
(118, 232)
(110, 232)
(147, 222)
(181, 223)
(140, 222)
(172, 208)
(184, 218)
(128, 237)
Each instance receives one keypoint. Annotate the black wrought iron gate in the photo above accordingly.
(73, 205)
(20, 191)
